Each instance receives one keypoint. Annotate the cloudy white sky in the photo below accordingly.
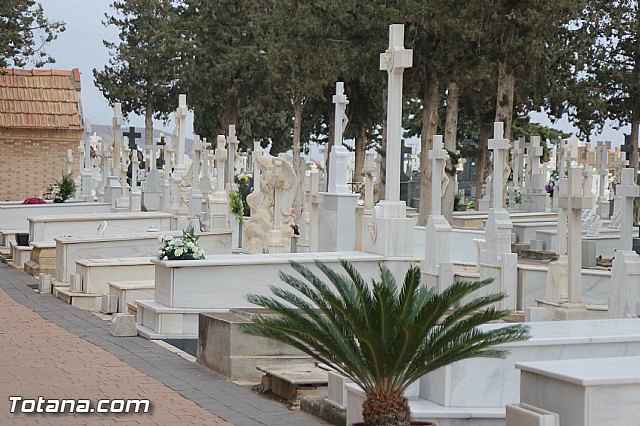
(80, 46)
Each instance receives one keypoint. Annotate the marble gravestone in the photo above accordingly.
(437, 268)
(390, 232)
(338, 209)
(625, 273)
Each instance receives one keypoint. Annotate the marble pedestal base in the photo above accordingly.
(570, 312)
(437, 267)
(389, 231)
(337, 220)
(152, 201)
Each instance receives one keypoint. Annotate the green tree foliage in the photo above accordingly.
(144, 70)
(24, 33)
(382, 335)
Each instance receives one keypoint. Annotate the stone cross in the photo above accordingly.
(116, 124)
(87, 143)
(518, 157)
(313, 200)
(221, 158)
(627, 190)
(587, 179)
(438, 156)
(368, 172)
(341, 120)
(232, 147)
(575, 203)
(132, 135)
(394, 60)
(535, 153)
(180, 117)
(155, 147)
(198, 148)
(563, 193)
(499, 145)
(69, 161)
(257, 152)
(134, 167)
(619, 163)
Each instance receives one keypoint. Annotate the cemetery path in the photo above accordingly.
(54, 350)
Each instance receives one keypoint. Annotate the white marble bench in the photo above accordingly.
(481, 387)
(71, 249)
(584, 392)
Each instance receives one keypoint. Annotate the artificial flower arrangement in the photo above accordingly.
(34, 200)
(184, 248)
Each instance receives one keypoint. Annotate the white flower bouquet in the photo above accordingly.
(184, 248)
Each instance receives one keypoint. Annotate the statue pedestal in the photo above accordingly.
(389, 231)
(337, 219)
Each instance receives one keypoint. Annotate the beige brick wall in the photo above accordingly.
(29, 165)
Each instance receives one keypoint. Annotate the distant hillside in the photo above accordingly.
(104, 132)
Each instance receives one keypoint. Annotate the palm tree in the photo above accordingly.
(381, 337)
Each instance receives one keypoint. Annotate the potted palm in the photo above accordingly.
(380, 336)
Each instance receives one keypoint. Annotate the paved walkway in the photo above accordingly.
(53, 350)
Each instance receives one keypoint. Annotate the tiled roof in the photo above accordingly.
(40, 99)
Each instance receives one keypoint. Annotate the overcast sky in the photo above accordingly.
(80, 46)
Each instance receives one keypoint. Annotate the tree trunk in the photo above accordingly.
(504, 98)
(361, 150)
(429, 128)
(298, 104)
(386, 408)
(483, 165)
(331, 132)
(450, 144)
(148, 122)
(635, 121)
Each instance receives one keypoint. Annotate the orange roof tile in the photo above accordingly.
(40, 98)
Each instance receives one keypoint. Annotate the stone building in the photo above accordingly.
(40, 120)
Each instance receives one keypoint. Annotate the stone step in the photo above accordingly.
(92, 302)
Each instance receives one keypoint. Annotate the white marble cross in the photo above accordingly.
(198, 148)
(232, 147)
(134, 168)
(602, 158)
(257, 152)
(518, 157)
(619, 163)
(116, 129)
(312, 178)
(394, 60)
(69, 161)
(341, 120)
(499, 145)
(180, 117)
(438, 156)
(368, 172)
(627, 190)
(221, 158)
(87, 143)
(535, 153)
(576, 202)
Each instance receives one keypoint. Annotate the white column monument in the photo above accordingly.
(218, 201)
(312, 200)
(338, 210)
(113, 189)
(437, 268)
(152, 190)
(339, 157)
(625, 274)
(195, 202)
(180, 130)
(602, 168)
(135, 195)
(232, 149)
(535, 197)
(87, 174)
(390, 233)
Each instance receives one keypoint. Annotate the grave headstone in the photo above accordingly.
(390, 231)
(152, 189)
(195, 202)
(576, 201)
(602, 167)
(625, 273)
(339, 157)
(232, 147)
(179, 132)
